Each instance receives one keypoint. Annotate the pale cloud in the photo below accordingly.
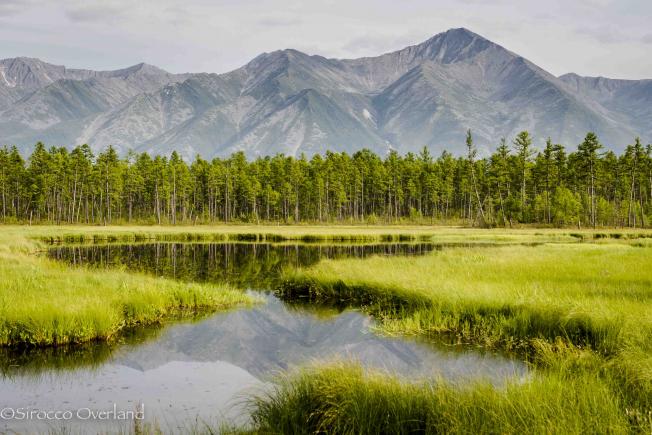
(94, 13)
(605, 35)
(279, 21)
(12, 7)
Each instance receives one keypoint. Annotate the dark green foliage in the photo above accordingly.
(551, 187)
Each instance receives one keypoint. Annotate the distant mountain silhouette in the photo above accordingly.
(287, 101)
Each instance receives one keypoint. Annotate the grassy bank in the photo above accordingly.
(310, 233)
(581, 313)
(43, 302)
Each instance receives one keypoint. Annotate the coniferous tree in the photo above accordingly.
(522, 146)
(471, 154)
(588, 152)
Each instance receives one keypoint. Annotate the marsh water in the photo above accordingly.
(190, 373)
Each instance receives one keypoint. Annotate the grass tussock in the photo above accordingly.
(341, 398)
(43, 302)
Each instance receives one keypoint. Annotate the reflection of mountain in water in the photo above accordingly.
(273, 337)
(202, 371)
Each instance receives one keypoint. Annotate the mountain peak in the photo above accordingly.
(461, 32)
(460, 35)
(454, 45)
(141, 68)
(29, 72)
(569, 76)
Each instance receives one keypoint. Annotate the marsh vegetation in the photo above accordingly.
(573, 306)
(579, 313)
(44, 302)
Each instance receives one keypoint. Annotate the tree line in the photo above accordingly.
(515, 185)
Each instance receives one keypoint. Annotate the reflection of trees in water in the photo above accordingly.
(253, 265)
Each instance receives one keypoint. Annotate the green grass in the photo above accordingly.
(43, 302)
(344, 399)
(580, 313)
(597, 295)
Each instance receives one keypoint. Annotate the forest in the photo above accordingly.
(517, 184)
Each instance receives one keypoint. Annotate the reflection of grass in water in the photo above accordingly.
(318, 311)
(36, 361)
(33, 361)
(582, 313)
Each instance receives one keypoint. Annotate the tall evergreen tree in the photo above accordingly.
(588, 151)
(522, 146)
(471, 154)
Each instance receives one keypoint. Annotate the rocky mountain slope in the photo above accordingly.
(290, 102)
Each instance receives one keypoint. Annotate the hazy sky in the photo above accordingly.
(612, 38)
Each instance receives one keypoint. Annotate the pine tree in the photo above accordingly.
(522, 146)
(471, 154)
(588, 151)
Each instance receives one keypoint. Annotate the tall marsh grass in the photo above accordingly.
(595, 295)
(43, 302)
(345, 399)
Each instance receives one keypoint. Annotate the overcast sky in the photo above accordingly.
(611, 38)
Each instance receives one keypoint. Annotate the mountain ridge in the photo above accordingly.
(287, 101)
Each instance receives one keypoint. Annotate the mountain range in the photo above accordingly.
(290, 102)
